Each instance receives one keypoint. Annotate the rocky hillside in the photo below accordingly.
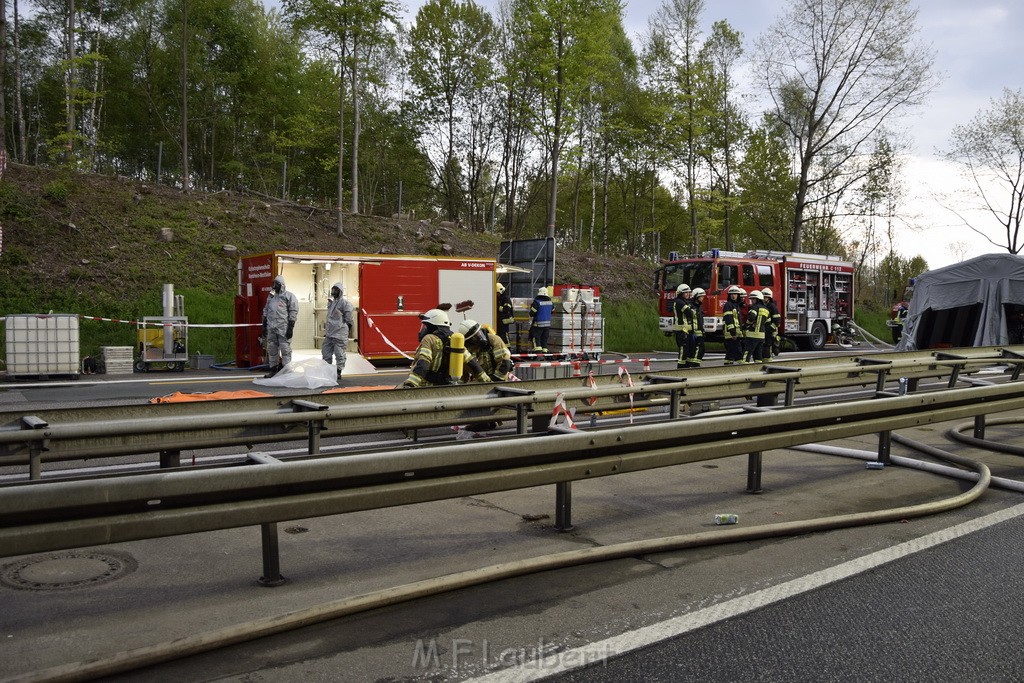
(100, 245)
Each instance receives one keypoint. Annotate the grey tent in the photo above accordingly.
(974, 303)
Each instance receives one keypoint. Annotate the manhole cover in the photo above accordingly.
(67, 570)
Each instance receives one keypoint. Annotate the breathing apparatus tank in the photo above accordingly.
(457, 344)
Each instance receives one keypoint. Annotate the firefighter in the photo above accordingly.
(753, 328)
(540, 315)
(433, 356)
(694, 313)
(733, 332)
(506, 315)
(488, 349)
(679, 322)
(278, 325)
(772, 331)
(340, 321)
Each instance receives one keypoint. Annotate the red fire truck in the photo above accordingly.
(388, 294)
(814, 293)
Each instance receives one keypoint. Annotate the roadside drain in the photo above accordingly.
(67, 570)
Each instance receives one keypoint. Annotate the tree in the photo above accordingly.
(767, 189)
(836, 71)
(672, 50)
(567, 41)
(726, 126)
(451, 61)
(990, 152)
(341, 29)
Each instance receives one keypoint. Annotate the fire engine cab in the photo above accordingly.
(814, 293)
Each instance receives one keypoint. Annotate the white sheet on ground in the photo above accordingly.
(311, 373)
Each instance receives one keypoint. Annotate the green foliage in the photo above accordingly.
(632, 327)
(58, 190)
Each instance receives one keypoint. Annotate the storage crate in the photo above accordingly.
(201, 362)
(118, 360)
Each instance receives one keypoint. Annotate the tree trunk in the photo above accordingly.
(69, 81)
(185, 181)
(355, 125)
(341, 142)
(18, 105)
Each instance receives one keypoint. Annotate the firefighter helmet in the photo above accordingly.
(767, 292)
(469, 328)
(756, 294)
(697, 292)
(683, 288)
(543, 291)
(436, 317)
(736, 289)
(499, 288)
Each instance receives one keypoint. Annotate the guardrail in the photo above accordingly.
(40, 436)
(41, 516)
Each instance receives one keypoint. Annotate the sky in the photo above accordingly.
(977, 47)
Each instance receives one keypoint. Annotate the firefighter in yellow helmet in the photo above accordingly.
(753, 328)
(680, 325)
(772, 332)
(732, 312)
(431, 361)
(694, 313)
(488, 349)
(506, 315)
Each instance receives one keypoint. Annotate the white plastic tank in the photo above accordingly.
(42, 344)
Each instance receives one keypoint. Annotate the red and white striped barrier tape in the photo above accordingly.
(561, 410)
(369, 321)
(629, 383)
(167, 324)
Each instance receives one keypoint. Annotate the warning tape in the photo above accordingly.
(561, 410)
(168, 323)
(629, 383)
(369, 322)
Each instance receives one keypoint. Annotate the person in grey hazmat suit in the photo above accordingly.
(339, 321)
(278, 325)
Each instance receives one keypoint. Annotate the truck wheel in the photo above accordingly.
(816, 339)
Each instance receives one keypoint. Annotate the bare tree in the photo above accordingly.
(836, 70)
(990, 152)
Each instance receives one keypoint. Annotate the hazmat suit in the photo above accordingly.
(340, 320)
(278, 325)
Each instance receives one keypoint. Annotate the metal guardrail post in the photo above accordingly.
(754, 472)
(563, 506)
(954, 371)
(268, 536)
(522, 409)
(979, 426)
(674, 407)
(884, 447)
(1015, 373)
(170, 459)
(36, 448)
(314, 426)
(790, 385)
(881, 367)
(271, 557)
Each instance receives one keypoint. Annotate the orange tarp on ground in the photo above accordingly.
(178, 397)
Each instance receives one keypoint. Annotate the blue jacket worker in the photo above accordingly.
(540, 315)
